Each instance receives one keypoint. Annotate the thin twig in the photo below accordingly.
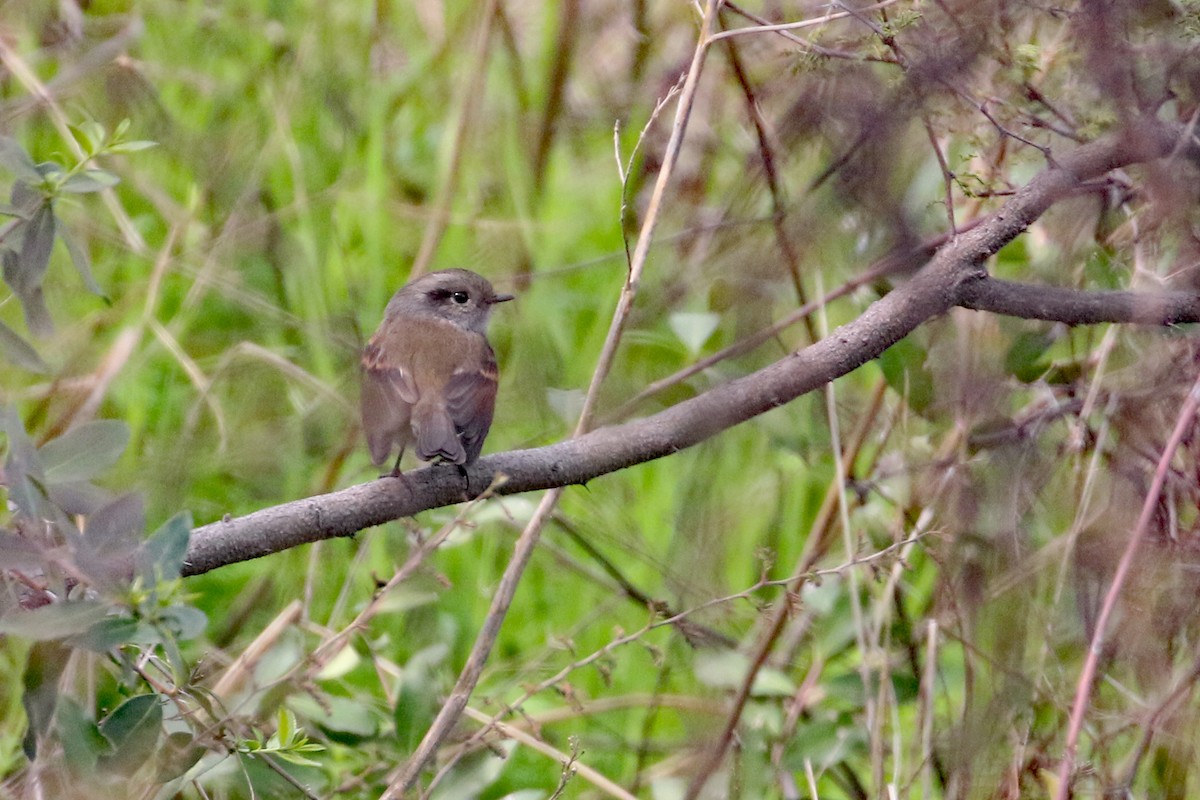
(568, 31)
(641, 250)
(767, 154)
(1087, 677)
(623, 172)
(812, 47)
(583, 770)
(788, 583)
(862, 637)
(947, 175)
(927, 708)
(1185, 685)
(804, 23)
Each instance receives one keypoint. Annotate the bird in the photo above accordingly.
(429, 374)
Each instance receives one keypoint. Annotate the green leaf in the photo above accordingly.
(119, 525)
(161, 556)
(343, 719)
(90, 136)
(904, 369)
(77, 497)
(109, 633)
(288, 742)
(415, 707)
(83, 743)
(89, 181)
(134, 729)
(476, 772)
(185, 622)
(1026, 360)
(83, 264)
(694, 329)
(37, 316)
(54, 621)
(726, 669)
(16, 160)
(285, 727)
(27, 199)
(36, 243)
(17, 552)
(179, 754)
(85, 451)
(822, 743)
(24, 269)
(44, 667)
(20, 352)
(294, 756)
(131, 147)
(130, 719)
(23, 471)
(51, 172)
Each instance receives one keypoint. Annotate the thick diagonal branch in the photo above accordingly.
(955, 275)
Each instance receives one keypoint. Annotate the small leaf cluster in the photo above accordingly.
(27, 239)
(287, 742)
(80, 578)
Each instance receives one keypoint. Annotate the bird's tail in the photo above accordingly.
(436, 435)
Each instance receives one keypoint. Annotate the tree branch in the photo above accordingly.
(1079, 307)
(954, 275)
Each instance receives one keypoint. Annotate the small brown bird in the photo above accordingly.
(429, 374)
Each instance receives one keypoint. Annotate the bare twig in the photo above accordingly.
(804, 23)
(767, 154)
(812, 47)
(641, 250)
(623, 172)
(1083, 690)
(947, 175)
(583, 770)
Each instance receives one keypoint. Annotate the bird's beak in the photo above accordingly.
(501, 298)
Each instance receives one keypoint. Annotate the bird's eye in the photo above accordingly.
(460, 297)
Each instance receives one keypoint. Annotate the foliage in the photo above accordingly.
(919, 555)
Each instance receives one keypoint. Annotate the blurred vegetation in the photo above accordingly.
(195, 353)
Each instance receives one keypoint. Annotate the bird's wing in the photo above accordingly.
(471, 400)
(388, 394)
